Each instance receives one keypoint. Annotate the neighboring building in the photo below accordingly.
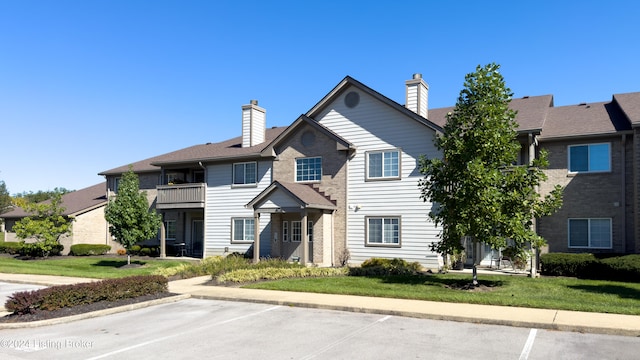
(86, 208)
(341, 182)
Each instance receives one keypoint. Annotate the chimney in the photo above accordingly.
(417, 95)
(254, 122)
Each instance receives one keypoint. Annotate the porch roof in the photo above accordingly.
(303, 196)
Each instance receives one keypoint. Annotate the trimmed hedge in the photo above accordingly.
(589, 266)
(58, 297)
(386, 267)
(10, 247)
(89, 249)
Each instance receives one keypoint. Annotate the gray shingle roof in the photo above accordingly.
(75, 202)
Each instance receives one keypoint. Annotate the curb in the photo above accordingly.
(93, 314)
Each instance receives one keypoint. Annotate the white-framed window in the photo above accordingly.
(245, 173)
(242, 229)
(309, 169)
(383, 164)
(590, 158)
(383, 231)
(593, 233)
(285, 231)
(296, 231)
(310, 230)
(170, 229)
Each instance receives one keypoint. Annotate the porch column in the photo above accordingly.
(256, 237)
(163, 242)
(305, 239)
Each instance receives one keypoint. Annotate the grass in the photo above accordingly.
(99, 267)
(547, 293)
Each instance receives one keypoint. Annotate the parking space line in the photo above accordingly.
(182, 334)
(344, 339)
(524, 355)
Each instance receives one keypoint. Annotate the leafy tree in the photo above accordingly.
(476, 189)
(39, 196)
(46, 224)
(129, 217)
(5, 198)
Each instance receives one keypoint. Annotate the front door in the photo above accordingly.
(197, 238)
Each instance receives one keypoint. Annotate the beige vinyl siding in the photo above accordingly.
(225, 202)
(374, 126)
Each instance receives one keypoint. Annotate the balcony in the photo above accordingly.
(181, 196)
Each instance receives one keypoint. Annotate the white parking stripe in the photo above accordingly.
(181, 334)
(524, 355)
(338, 342)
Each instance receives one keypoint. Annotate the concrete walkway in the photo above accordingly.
(484, 314)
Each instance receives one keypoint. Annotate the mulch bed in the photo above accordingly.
(44, 315)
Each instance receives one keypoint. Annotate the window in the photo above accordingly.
(309, 169)
(589, 158)
(590, 233)
(383, 231)
(383, 164)
(242, 229)
(244, 173)
(296, 231)
(116, 184)
(170, 229)
(285, 231)
(310, 230)
(198, 176)
(173, 178)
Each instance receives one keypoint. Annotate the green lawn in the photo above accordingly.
(548, 293)
(99, 267)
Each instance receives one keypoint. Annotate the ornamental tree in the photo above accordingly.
(129, 217)
(5, 198)
(46, 225)
(477, 190)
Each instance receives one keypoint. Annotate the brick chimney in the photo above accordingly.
(417, 95)
(254, 124)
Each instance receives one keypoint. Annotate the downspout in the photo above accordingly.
(623, 182)
(204, 228)
(534, 252)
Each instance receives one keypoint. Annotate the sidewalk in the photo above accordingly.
(483, 314)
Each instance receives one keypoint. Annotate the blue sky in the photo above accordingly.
(86, 86)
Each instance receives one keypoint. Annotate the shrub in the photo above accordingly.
(10, 247)
(58, 297)
(121, 252)
(135, 249)
(622, 268)
(561, 264)
(41, 248)
(274, 273)
(89, 249)
(588, 266)
(386, 267)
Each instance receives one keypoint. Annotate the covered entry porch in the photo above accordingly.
(301, 223)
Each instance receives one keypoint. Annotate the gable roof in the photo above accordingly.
(532, 112)
(209, 152)
(75, 203)
(347, 82)
(341, 143)
(592, 119)
(303, 194)
(630, 105)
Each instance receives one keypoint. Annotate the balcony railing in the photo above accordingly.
(181, 196)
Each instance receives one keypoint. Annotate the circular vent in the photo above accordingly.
(352, 99)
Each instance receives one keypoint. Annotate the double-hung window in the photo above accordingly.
(296, 231)
(383, 231)
(242, 229)
(592, 233)
(590, 158)
(285, 231)
(244, 173)
(309, 169)
(383, 164)
(170, 229)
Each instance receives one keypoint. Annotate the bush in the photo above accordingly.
(121, 252)
(89, 249)
(588, 266)
(41, 249)
(135, 249)
(274, 273)
(58, 297)
(386, 267)
(10, 247)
